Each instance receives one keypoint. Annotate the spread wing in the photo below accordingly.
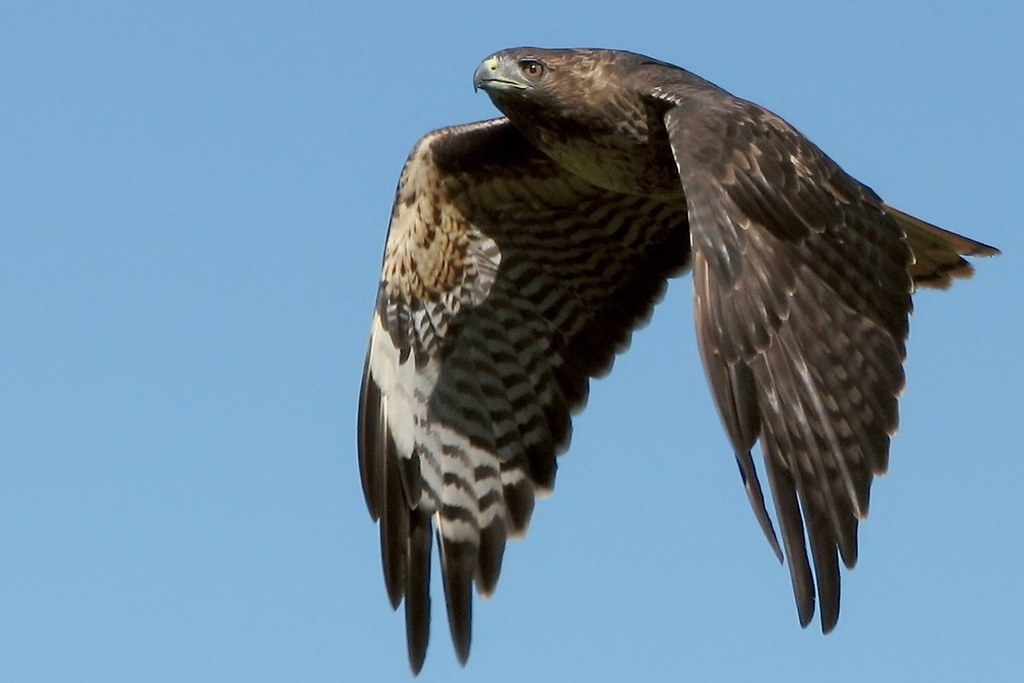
(506, 284)
(802, 297)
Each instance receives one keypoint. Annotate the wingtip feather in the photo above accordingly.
(458, 567)
(417, 593)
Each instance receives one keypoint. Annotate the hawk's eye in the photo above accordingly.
(532, 69)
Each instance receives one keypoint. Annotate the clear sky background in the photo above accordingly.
(193, 202)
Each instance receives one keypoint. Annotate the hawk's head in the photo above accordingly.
(589, 110)
(531, 70)
(536, 86)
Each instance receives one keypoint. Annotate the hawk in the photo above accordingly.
(522, 253)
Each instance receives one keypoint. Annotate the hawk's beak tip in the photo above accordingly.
(485, 72)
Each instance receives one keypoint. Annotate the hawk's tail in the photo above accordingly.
(938, 253)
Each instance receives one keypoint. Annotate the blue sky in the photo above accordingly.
(193, 202)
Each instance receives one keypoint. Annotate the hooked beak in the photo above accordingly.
(490, 76)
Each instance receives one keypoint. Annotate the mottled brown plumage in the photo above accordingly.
(524, 251)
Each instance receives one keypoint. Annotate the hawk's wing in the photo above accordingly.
(506, 284)
(802, 297)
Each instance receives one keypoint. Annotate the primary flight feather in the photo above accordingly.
(523, 252)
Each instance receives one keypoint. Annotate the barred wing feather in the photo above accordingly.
(507, 283)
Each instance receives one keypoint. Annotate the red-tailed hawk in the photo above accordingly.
(524, 251)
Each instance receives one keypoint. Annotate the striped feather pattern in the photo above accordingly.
(506, 285)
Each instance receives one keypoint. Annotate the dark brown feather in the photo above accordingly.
(371, 443)
(417, 591)
(803, 279)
